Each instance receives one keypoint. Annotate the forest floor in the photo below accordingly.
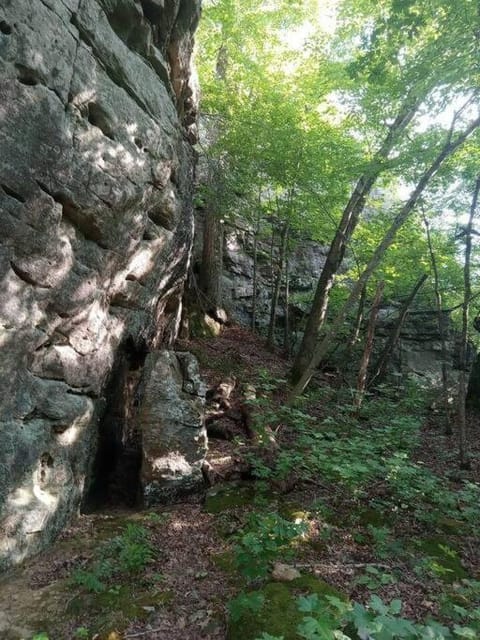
(369, 509)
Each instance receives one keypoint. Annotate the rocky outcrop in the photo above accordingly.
(418, 352)
(305, 264)
(171, 420)
(96, 111)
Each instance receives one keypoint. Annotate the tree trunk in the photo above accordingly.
(286, 334)
(254, 276)
(320, 350)
(441, 331)
(276, 285)
(380, 368)
(462, 383)
(209, 268)
(357, 325)
(348, 223)
(362, 372)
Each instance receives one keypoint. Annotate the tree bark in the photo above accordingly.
(209, 268)
(286, 333)
(441, 331)
(358, 324)
(254, 276)
(346, 227)
(380, 368)
(320, 350)
(362, 372)
(277, 284)
(464, 457)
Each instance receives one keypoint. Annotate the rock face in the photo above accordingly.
(305, 265)
(96, 111)
(171, 421)
(419, 349)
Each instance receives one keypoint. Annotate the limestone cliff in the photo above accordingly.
(97, 112)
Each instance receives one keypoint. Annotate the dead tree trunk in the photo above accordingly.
(357, 324)
(256, 231)
(286, 333)
(362, 372)
(380, 369)
(209, 268)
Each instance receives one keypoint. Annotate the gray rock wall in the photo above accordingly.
(418, 353)
(97, 109)
(305, 264)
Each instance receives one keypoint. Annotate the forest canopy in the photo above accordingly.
(312, 102)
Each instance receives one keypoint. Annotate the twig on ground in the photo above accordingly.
(142, 633)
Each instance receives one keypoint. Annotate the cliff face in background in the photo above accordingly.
(97, 113)
(418, 352)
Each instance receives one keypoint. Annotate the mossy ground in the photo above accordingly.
(279, 615)
(229, 496)
(441, 558)
(116, 608)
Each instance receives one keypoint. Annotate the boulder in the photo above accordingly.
(171, 422)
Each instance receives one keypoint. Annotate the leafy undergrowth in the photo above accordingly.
(375, 527)
(371, 505)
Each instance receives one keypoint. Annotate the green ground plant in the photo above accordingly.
(377, 621)
(351, 457)
(381, 449)
(125, 554)
(264, 539)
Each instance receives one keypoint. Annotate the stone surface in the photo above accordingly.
(285, 572)
(171, 420)
(97, 103)
(419, 350)
(305, 265)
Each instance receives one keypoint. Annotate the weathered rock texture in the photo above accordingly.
(96, 113)
(171, 420)
(418, 352)
(305, 264)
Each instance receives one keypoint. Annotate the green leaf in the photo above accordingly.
(308, 604)
(395, 606)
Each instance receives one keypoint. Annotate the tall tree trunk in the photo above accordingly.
(320, 350)
(441, 330)
(380, 369)
(256, 231)
(346, 227)
(209, 268)
(277, 284)
(286, 334)
(357, 324)
(467, 293)
(362, 372)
